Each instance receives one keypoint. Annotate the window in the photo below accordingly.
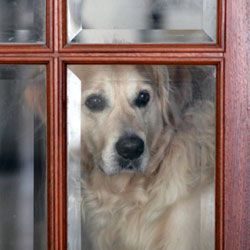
(119, 86)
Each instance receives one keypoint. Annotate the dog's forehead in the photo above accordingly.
(113, 75)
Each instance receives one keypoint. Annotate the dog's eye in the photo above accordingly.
(142, 99)
(96, 103)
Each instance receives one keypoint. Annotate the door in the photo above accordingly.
(59, 64)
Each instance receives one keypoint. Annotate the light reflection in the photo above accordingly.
(197, 85)
(142, 21)
(22, 158)
(22, 21)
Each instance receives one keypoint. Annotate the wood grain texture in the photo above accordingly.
(142, 58)
(61, 179)
(237, 130)
(233, 129)
(168, 59)
(52, 138)
(220, 171)
(51, 153)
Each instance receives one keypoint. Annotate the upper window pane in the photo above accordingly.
(22, 21)
(142, 21)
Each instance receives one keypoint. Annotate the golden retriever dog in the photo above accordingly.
(148, 155)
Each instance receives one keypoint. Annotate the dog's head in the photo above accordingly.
(124, 112)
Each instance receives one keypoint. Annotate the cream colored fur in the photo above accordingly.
(168, 206)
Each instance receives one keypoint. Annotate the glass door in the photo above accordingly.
(124, 125)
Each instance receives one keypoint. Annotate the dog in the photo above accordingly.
(147, 157)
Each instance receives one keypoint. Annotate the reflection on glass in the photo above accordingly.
(22, 21)
(141, 157)
(22, 157)
(142, 21)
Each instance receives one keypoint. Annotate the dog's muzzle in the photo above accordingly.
(129, 148)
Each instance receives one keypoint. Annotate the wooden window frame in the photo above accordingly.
(112, 59)
(229, 55)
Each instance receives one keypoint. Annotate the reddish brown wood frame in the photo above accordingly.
(233, 110)
(51, 151)
(111, 59)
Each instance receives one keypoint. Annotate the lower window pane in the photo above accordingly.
(141, 156)
(22, 157)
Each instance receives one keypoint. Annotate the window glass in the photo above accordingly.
(141, 156)
(22, 21)
(141, 21)
(23, 214)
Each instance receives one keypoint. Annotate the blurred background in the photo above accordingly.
(142, 21)
(22, 159)
(22, 21)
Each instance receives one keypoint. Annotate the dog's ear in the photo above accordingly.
(161, 78)
(175, 91)
(158, 75)
(181, 83)
(35, 98)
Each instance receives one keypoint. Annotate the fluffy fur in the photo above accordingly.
(166, 204)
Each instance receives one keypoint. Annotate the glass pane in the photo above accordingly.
(22, 21)
(141, 156)
(22, 157)
(142, 21)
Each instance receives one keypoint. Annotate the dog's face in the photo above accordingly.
(121, 117)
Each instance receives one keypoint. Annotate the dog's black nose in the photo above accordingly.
(130, 147)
